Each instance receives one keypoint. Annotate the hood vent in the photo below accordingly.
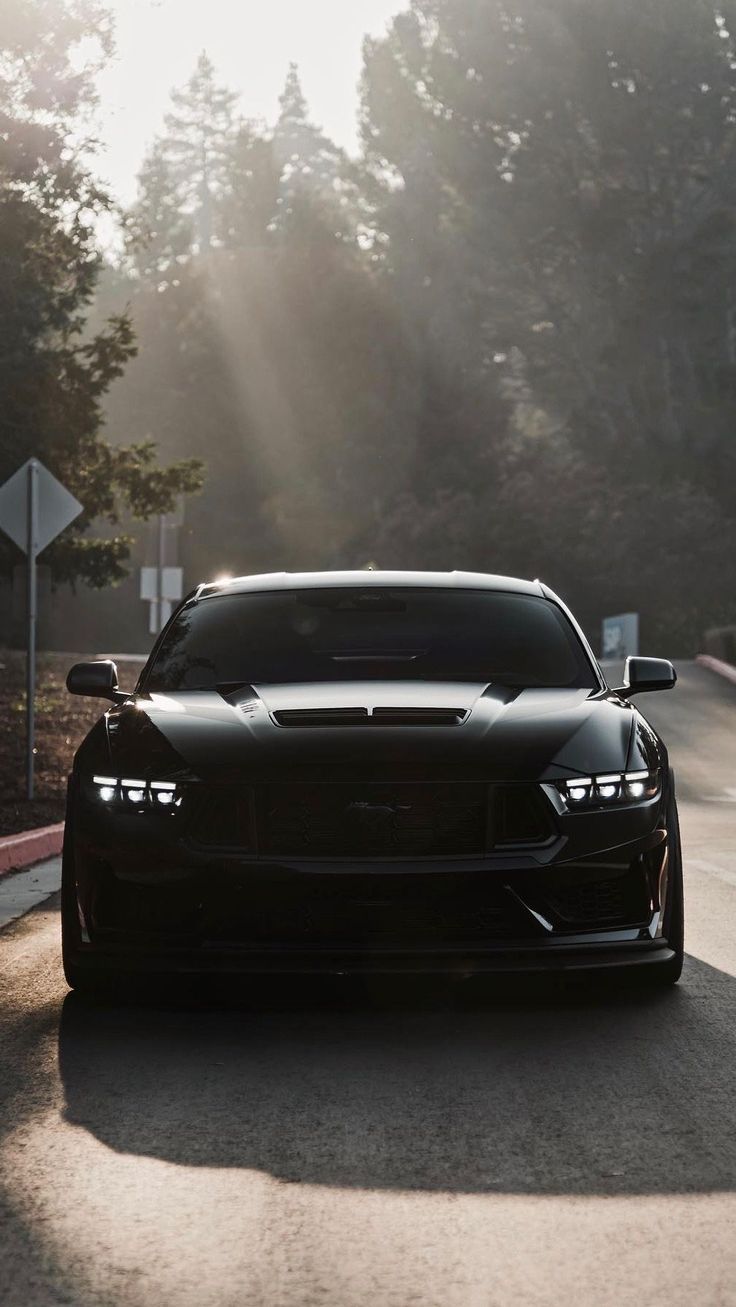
(362, 717)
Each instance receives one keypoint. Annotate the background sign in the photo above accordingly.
(620, 636)
(162, 587)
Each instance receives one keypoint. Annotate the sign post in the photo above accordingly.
(31, 606)
(162, 583)
(34, 509)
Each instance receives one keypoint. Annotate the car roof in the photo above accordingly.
(365, 578)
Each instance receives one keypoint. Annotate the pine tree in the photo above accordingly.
(159, 232)
(200, 131)
(318, 185)
(250, 196)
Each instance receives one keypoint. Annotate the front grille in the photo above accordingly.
(371, 820)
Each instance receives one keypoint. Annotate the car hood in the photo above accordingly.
(490, 732)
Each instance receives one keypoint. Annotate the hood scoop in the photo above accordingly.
(362, 717)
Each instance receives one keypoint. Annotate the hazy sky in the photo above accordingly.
(251, 43)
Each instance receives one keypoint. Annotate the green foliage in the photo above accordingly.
(53, 376)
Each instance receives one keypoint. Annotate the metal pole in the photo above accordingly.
(160, 573)
(31, 551)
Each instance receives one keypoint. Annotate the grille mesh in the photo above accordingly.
(373, 820)
(370, 819)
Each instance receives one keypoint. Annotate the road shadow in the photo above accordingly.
(521, 1090)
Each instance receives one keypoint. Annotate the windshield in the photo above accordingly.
(341, 634)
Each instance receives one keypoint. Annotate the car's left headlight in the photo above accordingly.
(136, 795)
(605, 791)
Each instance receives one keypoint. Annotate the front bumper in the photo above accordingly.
(167, 908)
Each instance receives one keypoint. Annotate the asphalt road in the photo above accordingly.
(371, 1150)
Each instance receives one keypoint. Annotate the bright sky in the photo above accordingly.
(250, 43)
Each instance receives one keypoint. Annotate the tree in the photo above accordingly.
(53, 377)
(437, 355)
(249, 204)
(576, 161)
(318, 187)
(274, 353)
(159, 231)
(553, 191)
(201, 129)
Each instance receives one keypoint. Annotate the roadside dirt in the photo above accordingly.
(62, 721)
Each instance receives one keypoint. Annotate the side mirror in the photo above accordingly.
(642, 674)
(99, 680)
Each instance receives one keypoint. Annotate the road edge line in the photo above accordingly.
(20, 851)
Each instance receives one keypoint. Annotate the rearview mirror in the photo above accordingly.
(642, 674)
(98, 679)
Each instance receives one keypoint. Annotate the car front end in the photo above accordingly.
(385, 825)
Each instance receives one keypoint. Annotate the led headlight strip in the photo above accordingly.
(136, 793)
(615, 787)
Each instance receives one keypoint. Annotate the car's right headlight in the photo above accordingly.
(609, 790)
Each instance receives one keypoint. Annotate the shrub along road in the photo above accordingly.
(533, 1148)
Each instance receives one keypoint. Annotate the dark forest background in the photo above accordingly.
(502, 338)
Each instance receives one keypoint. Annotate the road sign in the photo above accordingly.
(34, 509)
(55, 507)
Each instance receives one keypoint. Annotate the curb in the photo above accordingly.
(17, 851)
(717, 665)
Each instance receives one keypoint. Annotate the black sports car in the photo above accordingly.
(371, 771)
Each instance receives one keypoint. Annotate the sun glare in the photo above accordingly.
(251, 45)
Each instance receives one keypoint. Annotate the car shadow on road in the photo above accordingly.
(515, 1090)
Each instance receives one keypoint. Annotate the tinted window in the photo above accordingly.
(354, 634)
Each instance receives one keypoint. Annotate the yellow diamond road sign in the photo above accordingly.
(55, 507)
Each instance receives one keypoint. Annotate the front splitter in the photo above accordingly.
(553, 957)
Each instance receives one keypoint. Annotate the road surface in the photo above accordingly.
(541, 1148)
